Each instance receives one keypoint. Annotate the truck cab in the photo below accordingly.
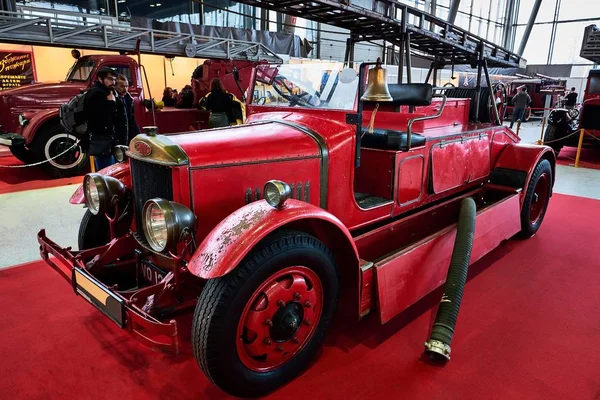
(29, 122)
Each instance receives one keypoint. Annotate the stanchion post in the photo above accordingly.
(92, 164)
(581, 133)
(541, 141)
(518, 126)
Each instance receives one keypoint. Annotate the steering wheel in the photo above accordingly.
(261, 101)
(294, 99)
(449, 84)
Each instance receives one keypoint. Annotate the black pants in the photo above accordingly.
(218, 120)
(518, 113)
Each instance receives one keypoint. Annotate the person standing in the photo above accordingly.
(220, 105)
(571, 99)
(520, 103)
(126, 127)
(100, 108)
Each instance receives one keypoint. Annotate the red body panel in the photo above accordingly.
(226, 245)
(407, 276)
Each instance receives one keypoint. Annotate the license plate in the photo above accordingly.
(151, 273)
(93, 291)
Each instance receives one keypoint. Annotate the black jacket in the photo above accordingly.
(100, 112)
(220, 102)
(126, 127)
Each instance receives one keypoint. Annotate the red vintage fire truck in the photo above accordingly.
(30, 126)
(564, 124)
(335, 196)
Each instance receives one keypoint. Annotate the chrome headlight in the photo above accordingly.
(166, 223)
(277, 193)
(100, 191)
(120, 153)
(22, 120)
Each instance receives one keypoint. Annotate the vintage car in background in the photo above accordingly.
(266, 229)
(564, 125)
(30, 124)
(540, 90)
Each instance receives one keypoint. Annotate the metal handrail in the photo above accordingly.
(418, 119)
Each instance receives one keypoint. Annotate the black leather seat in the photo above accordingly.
(388, 139)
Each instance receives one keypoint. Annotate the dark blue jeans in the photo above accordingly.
(104, 161)
(518, 113)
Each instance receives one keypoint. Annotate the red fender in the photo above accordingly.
(119, 171)
(525, 157)
(230, 241)
(35, 123)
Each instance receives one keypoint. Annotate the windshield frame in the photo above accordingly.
(74, 67)
(323, 68)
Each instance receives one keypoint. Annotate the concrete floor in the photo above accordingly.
(23, 214)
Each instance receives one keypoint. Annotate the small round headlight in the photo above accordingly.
(100, 190)
(166, 223)
(277, 193)
(22, 120)
(120, 153)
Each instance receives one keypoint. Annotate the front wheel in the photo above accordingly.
(536, 199)
(52, 141)
(94, 231)
(22, 154)
(260, 325)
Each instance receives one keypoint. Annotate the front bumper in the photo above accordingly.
(12, 140)
(125, 308)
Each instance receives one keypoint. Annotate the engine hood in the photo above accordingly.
(266, 141)
(41, 95)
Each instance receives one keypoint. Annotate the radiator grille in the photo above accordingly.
(149, 181)
(590, 117)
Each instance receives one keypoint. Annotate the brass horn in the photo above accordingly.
(377, 88)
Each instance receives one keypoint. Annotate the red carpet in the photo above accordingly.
(528, 329)
(590, 157)
(18, 179)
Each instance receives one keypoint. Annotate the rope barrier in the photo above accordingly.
(41, 162)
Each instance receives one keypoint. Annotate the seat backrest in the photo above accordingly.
(411, 94)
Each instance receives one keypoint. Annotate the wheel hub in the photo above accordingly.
(286, 322)
(279, 318)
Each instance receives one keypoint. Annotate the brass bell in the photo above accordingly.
(377, 87)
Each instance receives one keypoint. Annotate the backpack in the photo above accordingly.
(72, 115)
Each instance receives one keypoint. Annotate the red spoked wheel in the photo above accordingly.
(540, 197)
(261, 324)
(537, 197)
(280, 318)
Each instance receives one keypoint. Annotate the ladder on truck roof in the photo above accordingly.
(590, 46)
(430, 37)
(77, 30)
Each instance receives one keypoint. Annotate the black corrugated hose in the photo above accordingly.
(438, 345)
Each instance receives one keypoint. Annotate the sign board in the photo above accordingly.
(16, 69)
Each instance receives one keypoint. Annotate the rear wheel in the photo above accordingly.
(52, 140)
(536, 199)
(93, 231)
(260, 325)
(552, 136)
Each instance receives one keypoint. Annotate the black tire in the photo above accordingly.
(553, 133)
(221, 305)
(52, 140)
(543, 170)
(22, 154)
(93, 231)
